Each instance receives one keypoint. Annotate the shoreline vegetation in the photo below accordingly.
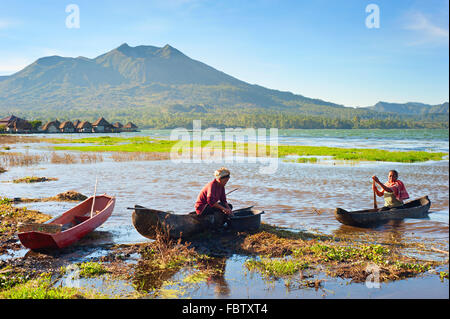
(213, 148)
(295, 259)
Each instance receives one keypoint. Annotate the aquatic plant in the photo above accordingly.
(92, 269)
(5, 200)
(147, 144)
(42, 288)
(160, 260)
(275, 268)
(20, 159)
(302, 160)
(34, 179)
(9, 278)
(196, 277)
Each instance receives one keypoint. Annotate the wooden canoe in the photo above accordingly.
(370, 217)
(148, 221)
(69, 227)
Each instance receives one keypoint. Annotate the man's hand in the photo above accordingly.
(375, 178)
(227, 211)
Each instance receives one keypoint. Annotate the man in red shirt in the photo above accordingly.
(212, 199)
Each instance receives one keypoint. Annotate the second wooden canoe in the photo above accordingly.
(370, 217)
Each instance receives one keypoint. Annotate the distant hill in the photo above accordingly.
(412, 108)
(134, 76)
(137, 83)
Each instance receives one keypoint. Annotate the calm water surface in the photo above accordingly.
(298, 196)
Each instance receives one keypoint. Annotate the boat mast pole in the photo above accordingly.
(93, 199)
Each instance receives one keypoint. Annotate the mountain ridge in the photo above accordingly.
(159, 78)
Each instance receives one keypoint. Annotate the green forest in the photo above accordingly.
(245, 117)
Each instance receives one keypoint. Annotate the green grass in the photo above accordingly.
(92, 269)
(196, 277)
(360, 154)
(41, 288)
(275, 268)
(8, 279)
(375, 253)
(5, 201)
(146, 144)
(33, 179)
(303, 160)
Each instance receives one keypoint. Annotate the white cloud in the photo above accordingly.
(426, 30)
(10, 65)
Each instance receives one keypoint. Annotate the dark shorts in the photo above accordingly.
(219, 218)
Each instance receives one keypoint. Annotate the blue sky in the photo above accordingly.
(319, 49)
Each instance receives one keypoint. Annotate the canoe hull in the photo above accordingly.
(149, 221)
(104, 205)
(366, 218)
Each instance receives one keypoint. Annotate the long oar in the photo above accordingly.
(93, 199)
(375, 207)
(232, 191)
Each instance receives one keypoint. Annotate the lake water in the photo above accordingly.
(299, 196)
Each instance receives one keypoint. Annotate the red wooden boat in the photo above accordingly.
(69, 227)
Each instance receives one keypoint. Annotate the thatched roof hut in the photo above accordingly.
(129, 127)
(67, 127)
(51, 126)
(84, 127)
(15, 124)
(102, 125)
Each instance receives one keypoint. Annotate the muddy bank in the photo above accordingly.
(299, 259)
(10, 218)
(69, 196)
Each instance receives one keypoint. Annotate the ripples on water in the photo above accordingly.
(298, 196)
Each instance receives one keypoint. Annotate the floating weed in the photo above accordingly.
(42, 288)
(9, 279)
(5, 200)
(160, 260)
(92, 269)
(418, 268)
(196, 277)
(302, 160)
(34, 179)
(275, 268)
(375, 253)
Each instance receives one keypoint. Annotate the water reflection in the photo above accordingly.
(217, 267)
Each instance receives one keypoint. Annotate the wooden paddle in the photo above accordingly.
(232, 191)
(375, 207)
